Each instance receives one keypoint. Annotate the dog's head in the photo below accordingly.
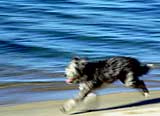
(74, 70)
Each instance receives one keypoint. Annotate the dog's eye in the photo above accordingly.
(83, 63)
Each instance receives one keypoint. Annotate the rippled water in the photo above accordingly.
(39, 37)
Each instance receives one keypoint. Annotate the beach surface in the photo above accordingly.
(118, 104)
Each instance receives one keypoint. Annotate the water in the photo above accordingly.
(39, 37)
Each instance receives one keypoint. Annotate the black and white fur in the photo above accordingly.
(91, 75)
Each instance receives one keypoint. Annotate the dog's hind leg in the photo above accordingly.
(132, 81)
(139, 84)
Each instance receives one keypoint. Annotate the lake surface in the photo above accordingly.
(39, 37)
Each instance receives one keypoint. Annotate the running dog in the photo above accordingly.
(91, 75)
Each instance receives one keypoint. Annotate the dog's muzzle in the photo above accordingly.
(70, 80)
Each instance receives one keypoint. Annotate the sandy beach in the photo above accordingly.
(118, 104)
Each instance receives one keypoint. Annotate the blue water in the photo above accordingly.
(39, 37)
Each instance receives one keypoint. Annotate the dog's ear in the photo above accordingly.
(76, 58)
(80, 61)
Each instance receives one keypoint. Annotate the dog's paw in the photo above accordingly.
(62, 109)
(68, 106)
(146, 95)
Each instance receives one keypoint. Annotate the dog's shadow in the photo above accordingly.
(140, 103)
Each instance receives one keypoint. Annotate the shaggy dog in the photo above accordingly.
(91, 75)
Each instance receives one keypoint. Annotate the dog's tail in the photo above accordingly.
(153, 66)
(145, 68)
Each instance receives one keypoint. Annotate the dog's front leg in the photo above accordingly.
(85, 89)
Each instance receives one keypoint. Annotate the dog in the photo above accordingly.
(91, 75)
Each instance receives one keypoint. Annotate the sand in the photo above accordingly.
(118, 104)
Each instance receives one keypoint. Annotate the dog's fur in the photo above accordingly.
(91, 75)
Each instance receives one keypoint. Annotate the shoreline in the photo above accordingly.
(122, 104)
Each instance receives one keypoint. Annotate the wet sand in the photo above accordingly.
(118, 104)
